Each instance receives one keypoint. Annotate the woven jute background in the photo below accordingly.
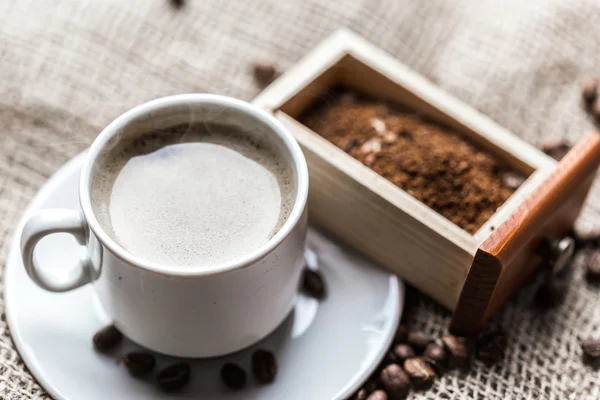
(68, 67)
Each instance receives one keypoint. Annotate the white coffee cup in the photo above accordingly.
(191, 312)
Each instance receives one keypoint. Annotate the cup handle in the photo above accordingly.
(47, 222)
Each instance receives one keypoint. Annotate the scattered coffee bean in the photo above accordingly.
(419, 372)
(174, 377)
(457, 349)
(264, 366)
(361, 394)
(401, 334)
(595, 110)
(264, 72)
(589, 90)
(233, 376)
(177, 3)
(372, 384)
(491, 345)
(556, 149)
(411, 301)
(591, 348)
(378, 395)
(512, 180)
(139, 364)
(418, 340)
(404, 351)
(435, 355)
(107, 338)
(313, 284)
(390, 358)
(395, 381)
(593, 266)
(551, 293)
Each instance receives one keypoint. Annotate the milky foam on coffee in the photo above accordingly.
(198, 198)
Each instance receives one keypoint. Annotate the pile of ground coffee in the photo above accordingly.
(433, 163)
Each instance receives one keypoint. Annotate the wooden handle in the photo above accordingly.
(508, 256)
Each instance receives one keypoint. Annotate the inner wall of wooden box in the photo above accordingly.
(354, 74)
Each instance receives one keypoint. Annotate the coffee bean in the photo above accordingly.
(313, 284)
(264, 366)
(372, 384)
(419, 372)
(264, 72)
(551, 293)
(378, 395)
(361, 394)
(401, 334)
(491, 345)
(593, 266)
(390, 358)
(395, 381)
(233, 376)
(139, 364)
(174, 377)
(418, 340)
(457, 349)
(591, 348)
(404, 351)
(556, 149)
(595, 110)
(589, 90)
(107, 338)
(435, 355)
(512, 180)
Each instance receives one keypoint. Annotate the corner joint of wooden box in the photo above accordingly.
(477, 291)
(509, 255)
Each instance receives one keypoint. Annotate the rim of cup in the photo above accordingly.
(196, 100)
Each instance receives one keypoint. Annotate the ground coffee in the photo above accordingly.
(433, 163)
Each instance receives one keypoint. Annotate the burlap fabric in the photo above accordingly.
(68, 67)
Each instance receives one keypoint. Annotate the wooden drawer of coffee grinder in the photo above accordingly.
(472, 274)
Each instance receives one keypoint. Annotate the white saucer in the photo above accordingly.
(325, 350)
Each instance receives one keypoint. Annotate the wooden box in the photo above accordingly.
(472, 275)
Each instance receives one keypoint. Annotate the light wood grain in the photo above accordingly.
(371, 214)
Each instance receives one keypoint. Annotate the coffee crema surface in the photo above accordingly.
(192, 195)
